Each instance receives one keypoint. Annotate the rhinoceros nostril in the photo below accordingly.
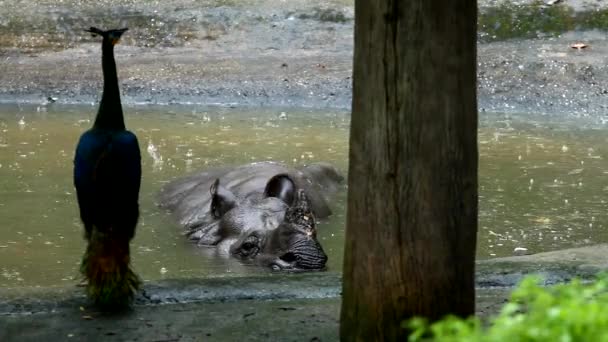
(289, 257)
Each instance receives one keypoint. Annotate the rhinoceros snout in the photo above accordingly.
(305, 254)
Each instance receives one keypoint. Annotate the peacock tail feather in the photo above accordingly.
(111, 283)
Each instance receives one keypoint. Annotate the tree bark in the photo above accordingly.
(412, 199)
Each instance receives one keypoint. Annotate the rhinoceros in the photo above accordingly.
(263, 211)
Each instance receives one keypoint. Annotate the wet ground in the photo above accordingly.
(247, 53)
(285, 320)
(278, 308)
(296, 53)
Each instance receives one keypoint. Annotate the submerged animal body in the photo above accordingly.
(262, 211)
(107, 177)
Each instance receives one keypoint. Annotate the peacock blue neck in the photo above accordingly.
(109, 115)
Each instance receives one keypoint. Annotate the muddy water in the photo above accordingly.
(40, 234)
(542, 184)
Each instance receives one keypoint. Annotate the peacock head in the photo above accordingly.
(111, 36)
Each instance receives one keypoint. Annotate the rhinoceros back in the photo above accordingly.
(189, 198)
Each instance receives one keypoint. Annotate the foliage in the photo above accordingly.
(574, 311)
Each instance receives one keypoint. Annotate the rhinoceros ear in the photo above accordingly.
(213, 188)
(281, 186)
(222, 200)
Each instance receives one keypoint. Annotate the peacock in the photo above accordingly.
(107, 177)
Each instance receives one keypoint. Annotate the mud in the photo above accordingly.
(282, 307)
(273, 53)
(294, 320)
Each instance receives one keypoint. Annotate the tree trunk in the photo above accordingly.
(412, 200)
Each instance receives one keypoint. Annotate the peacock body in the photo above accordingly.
(107, 177)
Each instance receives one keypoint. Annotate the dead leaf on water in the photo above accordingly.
(543, 220)
(579, 46)
(575, 171)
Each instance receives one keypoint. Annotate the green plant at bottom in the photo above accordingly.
(570, 312)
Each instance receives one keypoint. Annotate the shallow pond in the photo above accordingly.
(541, 183)
(41, 239)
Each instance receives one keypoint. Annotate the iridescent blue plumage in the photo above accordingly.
(107, 177)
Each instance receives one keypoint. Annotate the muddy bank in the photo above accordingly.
(295, 320)
(181, 76)
(281, 320)
(493, 274)
(296, 307)
(187, 52)
(545, 76)
(194, 310)
(299, 53)
(535, 76)
(554, 267)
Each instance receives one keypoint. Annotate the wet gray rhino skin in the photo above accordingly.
(266, 211)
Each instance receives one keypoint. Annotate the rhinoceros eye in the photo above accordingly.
(216, 209)
(247, 246)
(215, 212)
(250, 247)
